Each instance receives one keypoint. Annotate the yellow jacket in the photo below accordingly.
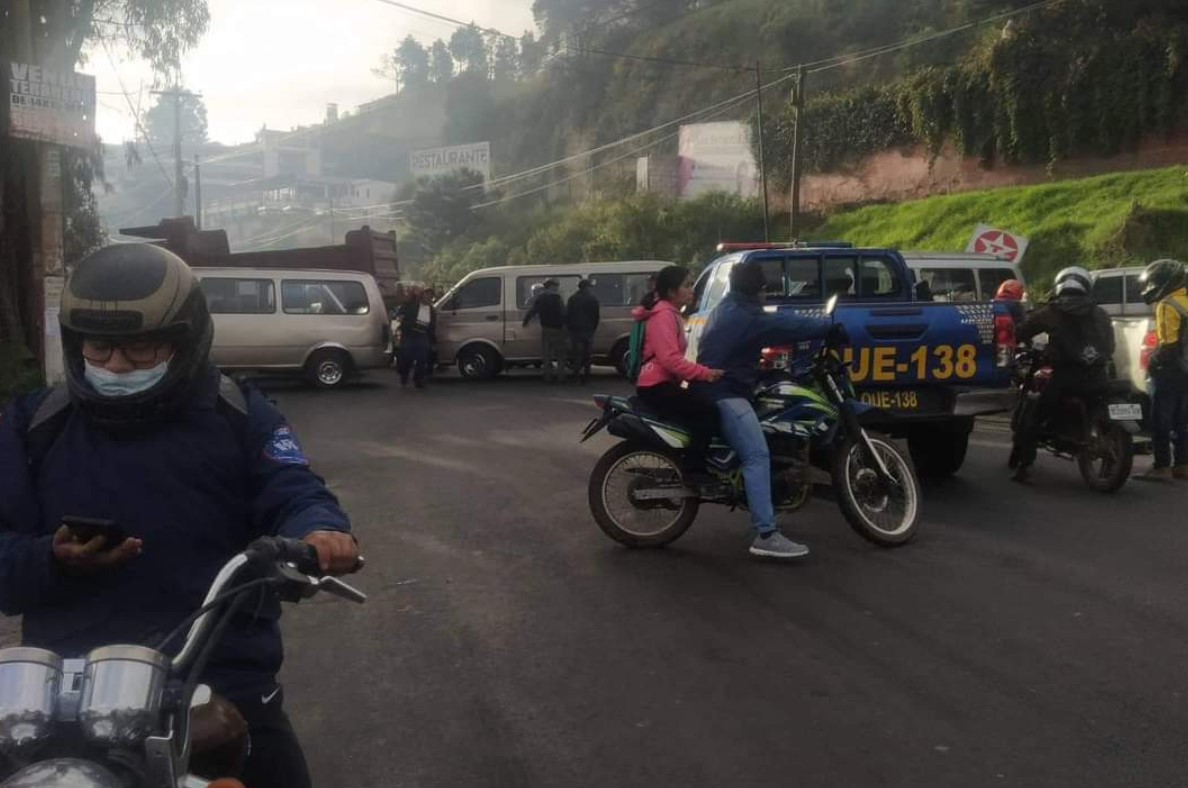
(1168, 322)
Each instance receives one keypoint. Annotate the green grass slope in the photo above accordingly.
(1107, 221)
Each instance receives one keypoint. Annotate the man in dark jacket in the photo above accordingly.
(418, 335)
(1080, 346)
(148, 434)
(549, 307)
(582, 315)
(737, 331)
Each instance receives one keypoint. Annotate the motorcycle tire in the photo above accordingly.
(611, 515)
(860, 498)
(1112, 475)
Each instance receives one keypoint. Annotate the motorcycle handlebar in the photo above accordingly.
(278, 549)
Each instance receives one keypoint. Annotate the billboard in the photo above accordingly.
(47, 106)
(717, 157)
(440, 161)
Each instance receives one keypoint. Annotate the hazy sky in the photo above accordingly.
(279, 62)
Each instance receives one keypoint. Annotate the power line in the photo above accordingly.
(136, 114)
(443, 18)
(662, 60)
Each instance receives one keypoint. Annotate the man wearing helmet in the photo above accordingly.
(147, 433)
(1080, 346)
(1163, 285)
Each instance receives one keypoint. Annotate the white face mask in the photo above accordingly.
(124, 384)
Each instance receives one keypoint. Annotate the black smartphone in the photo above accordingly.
(84, 529)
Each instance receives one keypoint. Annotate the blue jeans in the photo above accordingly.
(740, 427)
(1169, 422)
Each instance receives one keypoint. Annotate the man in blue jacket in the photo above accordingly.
(737, 331)
(146, 433)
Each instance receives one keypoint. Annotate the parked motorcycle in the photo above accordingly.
(1096, 431)
(122, 717)
(812, 420)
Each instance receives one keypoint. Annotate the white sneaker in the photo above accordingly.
(776, 545)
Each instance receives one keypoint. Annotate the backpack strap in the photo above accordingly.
(48, 420)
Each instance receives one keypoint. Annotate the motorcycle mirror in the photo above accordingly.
(831, 305)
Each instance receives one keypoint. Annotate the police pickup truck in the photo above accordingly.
(929, 367)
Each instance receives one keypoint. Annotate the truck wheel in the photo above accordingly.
(618, 357)
(938, 451)
(328, 369)
(478, 362)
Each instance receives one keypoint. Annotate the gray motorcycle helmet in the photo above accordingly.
(132, 292)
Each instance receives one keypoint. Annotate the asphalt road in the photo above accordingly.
(1030, 637)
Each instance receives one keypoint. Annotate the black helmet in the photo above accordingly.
(135, 292)
(1160, 279)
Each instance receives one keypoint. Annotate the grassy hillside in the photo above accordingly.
(1107, 221)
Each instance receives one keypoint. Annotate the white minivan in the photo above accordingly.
(962, 276)
(326, 325)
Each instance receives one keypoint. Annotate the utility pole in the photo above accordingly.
(797, 150)
(762, 155)
(179, 182)
(197, 193)
(333, 230)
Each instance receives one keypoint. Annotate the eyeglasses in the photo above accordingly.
(99, 351)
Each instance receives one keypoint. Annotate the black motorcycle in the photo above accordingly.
(1096, 430)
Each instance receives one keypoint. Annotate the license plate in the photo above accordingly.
(1126, 411)
(906, 400)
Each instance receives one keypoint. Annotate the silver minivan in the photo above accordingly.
(479, 321)
(327, 325)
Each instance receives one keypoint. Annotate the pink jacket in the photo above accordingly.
(664, 348)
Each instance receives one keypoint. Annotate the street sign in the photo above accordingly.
(990, 240)
(45, 105)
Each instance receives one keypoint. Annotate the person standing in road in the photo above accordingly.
(549, 307)
(1164, 285)
(146, 433)
(582, 315)
(418, 327)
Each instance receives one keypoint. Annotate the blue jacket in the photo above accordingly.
(737, 331)
(196, 490)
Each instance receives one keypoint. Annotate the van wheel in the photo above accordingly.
(479, 363)
(618, 357)
(328, 369)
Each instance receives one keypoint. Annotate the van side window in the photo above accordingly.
(951, 284)
(1108, 290)
(525, 294)
(1134, 289)
(476, 294)
(318, 297)
(239, 296)
(620, 289)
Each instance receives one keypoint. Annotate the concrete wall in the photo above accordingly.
(895, 176)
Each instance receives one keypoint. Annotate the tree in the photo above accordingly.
(159, 121)
(506, 59)
(469, 49)
(532, 53)
(441, 63)
(412, 63)
(440, 210)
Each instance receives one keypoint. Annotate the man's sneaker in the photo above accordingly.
(1180, 473)
(1156, 475)
(776, 545)
(1022, 474)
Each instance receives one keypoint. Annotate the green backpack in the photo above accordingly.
(635, 348)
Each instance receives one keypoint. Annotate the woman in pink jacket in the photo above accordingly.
(667, 380)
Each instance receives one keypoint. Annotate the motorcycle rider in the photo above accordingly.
(1080, 347)
(1164, 285)
(736, 333)
(146, 433)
